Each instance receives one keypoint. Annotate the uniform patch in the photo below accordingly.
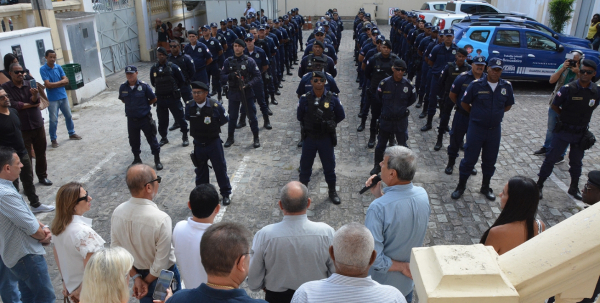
(139, 88)
(559, 94)
(592, 102)
(326, 50)
(199, 49)
(257, 56)
(243, 67)
(406, 89)
(212, 42)
(155, 75)
(206, 120)
(503, 91)
(326, 104)
(124, 92)
(454, 52)
(216, 105)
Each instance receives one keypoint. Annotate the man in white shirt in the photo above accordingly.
(291, 252)
(353, 253)
(249, 9)
(204, 203)
(145, 231)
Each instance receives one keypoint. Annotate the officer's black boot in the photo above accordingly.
(361, 127)
(376, 159)
(229, 141)
(278, 92)
(460, 189)
(269, 112)
(157, 163)
(438, 144)
(420, 102)
(163, 141)
(226, 200)
(267, 124)
(427, 126)
(333, 194)
(185, 140)
(540, 184)
(450, 166)
(392, 140)
(136, 159)
(486, 190)
(372, 139)
(288, 71)
(424, 111)
(574, 189)
(256, 141)
(242, 121)
(273, 101)
(175, 126)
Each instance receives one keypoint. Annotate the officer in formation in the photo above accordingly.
(138, 97)
(320, 111)
(296, 17)
(206, 117)
(186, 64)
(575, 104)
(167, 79)
(317, 51)
(269, 78)
(328, 48)
(396, 94)
(240, 73)
(460, 123)
(201, 56)
(486, 100)
(212, 69)
(449, 74)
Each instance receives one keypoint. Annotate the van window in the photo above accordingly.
(507, 38)
(480, 36)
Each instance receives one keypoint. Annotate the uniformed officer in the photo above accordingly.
(486, 100)
(167, 78)
(378, 68)
(212, 69)
(229, 35)
(449, 74)
(396, 94)
(186, 64)
(320, 111)
(206, 117)
(438, 58)
(240, 74)
(305, 84)
(307, 61)
(260, 58)
(201, 56)
(575, 104)
(460, 123)
(138, 96)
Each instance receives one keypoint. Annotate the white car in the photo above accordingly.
(460, 7)
(446, 20)
(434, 6)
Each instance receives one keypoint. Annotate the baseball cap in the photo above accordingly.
(496, 62)
(479, 60)
(130, 69)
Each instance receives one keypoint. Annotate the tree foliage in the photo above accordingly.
(561, 12)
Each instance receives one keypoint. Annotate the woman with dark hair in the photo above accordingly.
(516, 223)
(594, 32)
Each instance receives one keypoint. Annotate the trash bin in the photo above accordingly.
(73, 73)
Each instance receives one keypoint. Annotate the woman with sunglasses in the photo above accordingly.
(74, 239)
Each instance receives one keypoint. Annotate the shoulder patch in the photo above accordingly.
(566, 85)
(463, 73)
(216, 104)
(382, 82)
(508, 82)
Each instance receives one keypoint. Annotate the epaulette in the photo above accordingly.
(477, 80)
(304, 95)
(216, 104)
(142, 82)
(463, 73)
(508, 82)
(566, 85)
(190, 102)
(335, 94)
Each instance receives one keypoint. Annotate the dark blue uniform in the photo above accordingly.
(440, 55)
(205, 126)
(169, 99)
(260, 58)
(329, 51)
(305, 85)
(485, 125)
(395, 98)
(223, 42)
(139, 117)
(200, 54)
(318, 137)
(186, 64)
(451, 71)
(230, 36)
(213, 71)
(306, 63)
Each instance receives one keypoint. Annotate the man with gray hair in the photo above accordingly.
(397, 219)
(291, 252)
(353, 254)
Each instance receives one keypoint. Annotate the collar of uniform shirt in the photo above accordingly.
(200, 105)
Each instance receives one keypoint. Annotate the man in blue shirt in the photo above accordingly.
(397, 219)
(55, 81)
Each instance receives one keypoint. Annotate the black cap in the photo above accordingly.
(375, 32)
(192, 32)
(387, 43)
(589, 63)
(241, 42)
(242, 18)
(214, 24)
(594, 177)
(162, 50)
(495, 63)
(222, 21)
(319, 59)
(479, 60)
(130, 69)
(318, 74)
(399, 63)
(463, 51)
(319, 43)
(199, 85)
(248, 36)
(367, 15)
(205, 27)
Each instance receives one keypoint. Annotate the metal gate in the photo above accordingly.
(584, 19)
(117, 33)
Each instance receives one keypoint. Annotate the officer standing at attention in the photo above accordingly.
(396, 94)
(167, 78)
(201, 56)
(260, 58)
(241, 74)
(574, 103)
(320, 111)
(486, 100)
(213, 70)
(206, 117)
(439, 57)
(138, 96)
(186, 64)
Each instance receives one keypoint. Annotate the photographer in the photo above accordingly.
(566, 72)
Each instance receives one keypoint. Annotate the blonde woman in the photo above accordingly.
(106, 277)
(74, 239)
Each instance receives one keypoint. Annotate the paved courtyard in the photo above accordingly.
(100, 161)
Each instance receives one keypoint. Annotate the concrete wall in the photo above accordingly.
(228, 9)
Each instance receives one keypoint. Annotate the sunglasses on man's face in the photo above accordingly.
(174, 46)
(158, 179)
(18, 72)
(316, 80)
(320, 35)
(399, 69)
(585, 71)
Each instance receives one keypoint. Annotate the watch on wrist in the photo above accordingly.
(136, 276)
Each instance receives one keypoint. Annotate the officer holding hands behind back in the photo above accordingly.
(320, 111)
(206, 117)
(138, 96)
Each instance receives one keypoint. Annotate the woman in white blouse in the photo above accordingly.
(74, 239)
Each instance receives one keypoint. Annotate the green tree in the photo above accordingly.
(561, 11)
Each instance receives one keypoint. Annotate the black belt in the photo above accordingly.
(395, 117)
(205, 143)
(148, 116)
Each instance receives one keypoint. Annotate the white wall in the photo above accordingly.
(219, 10)
(349, 7)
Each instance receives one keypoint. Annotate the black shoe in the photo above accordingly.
(163, 141)
(226, 200)
(292, 67)
(458, 192)
(357, 80)
(361, 127)
(229, 141)
(419, 104)
(267, 124)
(47, 182)
(269, 112)
(256, 142)
(574, 191)
(281, 85)
(300, 144)
(333, 196)
(278, 93)
(273, 101)
(372, 139)
(488, 193)
(560, 160)
(157, 163)
(450, 166)
(360, 114)
(174, 127)
(289, 74)
(376, 170)
(241, 123)
(392, 141)
(426, 127)
(136, 160)
(186, 141)
(438, 144)
(474, 171)
(541, 151)
(422, 115)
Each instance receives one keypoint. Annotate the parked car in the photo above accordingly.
(461, 7)
(528, 54)
(446, 20)
(434, 6)
(521, 18)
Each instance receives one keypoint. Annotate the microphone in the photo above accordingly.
(373, 183)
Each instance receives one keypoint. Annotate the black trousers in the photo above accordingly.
(26, 177)
(279, 297)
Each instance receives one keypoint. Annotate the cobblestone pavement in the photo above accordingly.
(100, 161)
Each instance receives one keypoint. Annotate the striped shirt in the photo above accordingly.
(344, 289)
(17, 224)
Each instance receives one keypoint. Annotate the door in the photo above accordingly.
(543, 57)
(84, 50)
(506, 45)
(118, 34)
(584, 19)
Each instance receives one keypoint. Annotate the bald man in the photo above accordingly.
(291, 252)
